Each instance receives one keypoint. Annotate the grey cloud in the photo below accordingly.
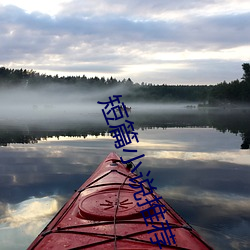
(220, 31)
(85, 68)
(208, 71)
(98, 40)
(217, 31)
(133, 8)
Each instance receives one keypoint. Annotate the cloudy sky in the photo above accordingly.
(157, 41)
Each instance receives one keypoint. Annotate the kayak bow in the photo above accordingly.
(103, 214)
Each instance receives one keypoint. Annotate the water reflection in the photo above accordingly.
(233, 121)
(32, 209)
(198, 169)
(20, 222)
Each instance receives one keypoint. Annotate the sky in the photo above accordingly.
(152, 41)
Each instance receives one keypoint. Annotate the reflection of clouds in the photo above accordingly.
(202, 181)
(29, 212)
(228, 240)
(236, 157)
(228, 203)
(57, 157)
(189, 139)
(22, 222)
(147, 144)
(52, 167)
(222, 219)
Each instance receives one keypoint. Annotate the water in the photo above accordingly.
(195, 158)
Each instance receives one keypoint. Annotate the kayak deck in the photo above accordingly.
(103, 213)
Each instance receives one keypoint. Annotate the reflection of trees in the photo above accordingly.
(233, 121)
(222, 120)
(246, 141)
(20, 135)
(16, 137)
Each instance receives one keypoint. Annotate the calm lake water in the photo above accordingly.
(195, 157)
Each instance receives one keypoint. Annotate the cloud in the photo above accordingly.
(116, 30)
(26, 220)
(115, 38)
(29, 210)
(233, 204)
(148, 10)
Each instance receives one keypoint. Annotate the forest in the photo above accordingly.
(224, 93)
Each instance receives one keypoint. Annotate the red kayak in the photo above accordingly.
(115, 209)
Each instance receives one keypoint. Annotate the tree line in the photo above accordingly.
(236, 91)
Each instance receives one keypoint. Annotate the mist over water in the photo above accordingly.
(194, 155)
(60, 102)
(55, 102)
(59, 107)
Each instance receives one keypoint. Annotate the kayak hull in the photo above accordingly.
(103, 213)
